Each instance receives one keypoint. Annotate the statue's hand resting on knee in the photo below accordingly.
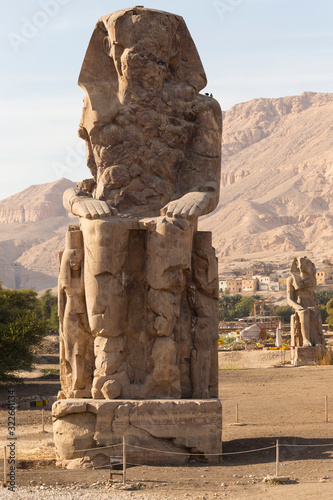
(81, 204)
(192, 204)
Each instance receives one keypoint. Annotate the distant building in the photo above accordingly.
(324, 276)
(273, 282)
(234, 285)
(263, 282)
(250, 285)
(283, 283)
(277, 275)
(249, 273)
(273, 286)
(222, 285)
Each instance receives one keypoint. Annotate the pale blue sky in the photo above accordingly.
(249, 48)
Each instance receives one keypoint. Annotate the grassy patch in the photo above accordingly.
(231, 366)
(325, 358)
(52, 371)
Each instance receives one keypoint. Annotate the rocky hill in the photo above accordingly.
(32, 228)
(275, 203)
(35, 203)
(277, 182)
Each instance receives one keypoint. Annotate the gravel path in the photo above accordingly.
(71, 493)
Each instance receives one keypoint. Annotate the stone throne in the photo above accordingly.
(138, 282)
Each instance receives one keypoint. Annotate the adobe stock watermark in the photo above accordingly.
(225, 7)
(30, 28)
(75, 157)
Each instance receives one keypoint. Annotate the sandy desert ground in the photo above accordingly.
(281, 402)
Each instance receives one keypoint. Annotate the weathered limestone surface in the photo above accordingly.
(307, 339)
(306, 356)
(153, 147)
(137, 280)
(76, 340)
(186, 427)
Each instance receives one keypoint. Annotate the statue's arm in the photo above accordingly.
(200, 175)
(291, 299)
(83, 205)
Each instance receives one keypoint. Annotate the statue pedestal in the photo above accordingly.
(305, 356)
(173, 431)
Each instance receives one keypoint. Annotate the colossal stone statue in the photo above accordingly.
(301, 286)
(154, 151)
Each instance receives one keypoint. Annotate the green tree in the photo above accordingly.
(48, 304)
(323, 313)
(244, 307)
(22, 327)
(236, 306)
(285, 312)
(227, 304)
(329, 310)
(323, 296)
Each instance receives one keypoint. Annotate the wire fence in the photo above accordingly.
(221, 454)
(116, 461)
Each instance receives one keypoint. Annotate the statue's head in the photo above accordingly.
(75, 259)
(143, 118)
(74, 249)
(133, 53)
(304, 273)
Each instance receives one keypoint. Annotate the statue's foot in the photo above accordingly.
(307, 343)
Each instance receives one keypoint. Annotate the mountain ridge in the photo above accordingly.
(276, 196)
(276, 192)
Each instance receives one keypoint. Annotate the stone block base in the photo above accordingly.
(305, 356)
(173, 431)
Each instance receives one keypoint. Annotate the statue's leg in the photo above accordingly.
(84, 363)
(63, 366)
(67, 356)
(106, 251)
(304, 318)
(169, 251)
(316, 327)
(293, 331)
(204, 362)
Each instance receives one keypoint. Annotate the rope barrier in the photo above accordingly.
(246, 451)
(173, 452)
(102, 447)
(306, 445)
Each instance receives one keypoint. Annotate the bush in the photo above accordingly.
(22, 327)
(325, 358)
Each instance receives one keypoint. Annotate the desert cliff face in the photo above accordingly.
(33, 224)
(275, 200)
(277, 172)
(35, 203)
